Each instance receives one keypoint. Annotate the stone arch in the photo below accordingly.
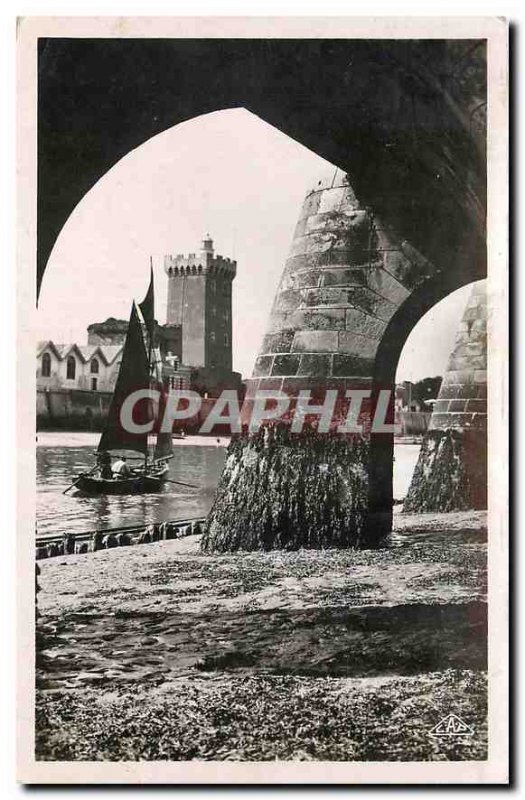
(451, 473)
(422, 299)
(420, 129)
(414, 149)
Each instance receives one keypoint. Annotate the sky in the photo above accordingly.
(229, 174)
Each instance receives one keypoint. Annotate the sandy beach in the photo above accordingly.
(342, 655)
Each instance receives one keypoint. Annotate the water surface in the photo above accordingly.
(61, 456)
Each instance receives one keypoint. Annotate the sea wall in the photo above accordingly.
(71, 409)
(412, 423)
(75, 409)
(70, 543)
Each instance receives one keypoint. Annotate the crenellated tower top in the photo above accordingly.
(203, 263)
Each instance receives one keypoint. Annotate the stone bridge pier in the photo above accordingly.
(350, 292)
(451, 473)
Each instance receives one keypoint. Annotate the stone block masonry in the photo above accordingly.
(451, 473)
(339, 289)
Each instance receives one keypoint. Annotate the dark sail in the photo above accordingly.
(147, 308)
(164, 445)
(133, 375)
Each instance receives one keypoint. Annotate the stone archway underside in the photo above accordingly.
(404, 118)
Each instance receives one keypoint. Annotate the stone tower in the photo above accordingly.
(200, 302)
(451, 473)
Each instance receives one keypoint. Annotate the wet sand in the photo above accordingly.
(313, 654)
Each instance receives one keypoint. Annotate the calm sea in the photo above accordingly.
(61, 456)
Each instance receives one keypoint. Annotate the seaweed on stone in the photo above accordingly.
(281, 490)
(451, 472)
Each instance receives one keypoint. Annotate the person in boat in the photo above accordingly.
(120, 468)
(104, 464)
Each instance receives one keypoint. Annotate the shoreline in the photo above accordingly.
(62, 438)
(91, 439)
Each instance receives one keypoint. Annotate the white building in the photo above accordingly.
(72, 366)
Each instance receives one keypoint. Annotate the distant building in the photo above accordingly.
(72, 366)
(405, 400)
(167, 353)
(174, 375)
(113, 332)
(200, 305)
(193, 350)
(411, 416)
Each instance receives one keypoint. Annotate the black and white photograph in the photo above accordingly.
(263, 398)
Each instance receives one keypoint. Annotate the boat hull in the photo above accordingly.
(134, 484)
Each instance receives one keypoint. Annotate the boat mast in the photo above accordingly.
(133, 372)
(149, 299)
(150, 349)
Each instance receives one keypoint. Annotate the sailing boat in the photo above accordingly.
(138, 370)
